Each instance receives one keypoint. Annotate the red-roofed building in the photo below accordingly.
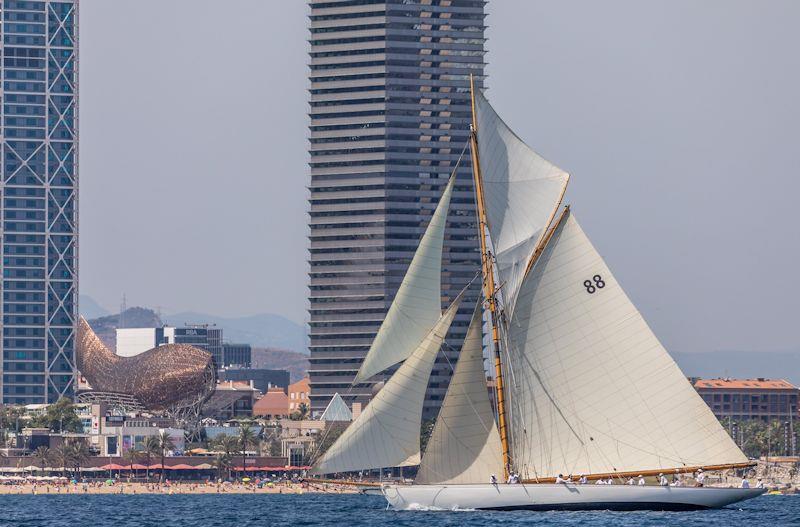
(274, 404)
(744, 399)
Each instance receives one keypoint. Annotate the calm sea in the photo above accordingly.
(348, 510)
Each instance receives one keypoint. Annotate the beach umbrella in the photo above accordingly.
(245, 479)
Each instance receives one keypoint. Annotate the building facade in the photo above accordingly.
(261, 378)
(38, 199)
(750, 399)
(236, 355)
(390, 116)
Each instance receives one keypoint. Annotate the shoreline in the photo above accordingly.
(132, 489)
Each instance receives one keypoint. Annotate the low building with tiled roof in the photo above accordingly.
(273, 405)
(745, 399)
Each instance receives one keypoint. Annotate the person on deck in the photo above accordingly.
(700, 478)
(583, 480)
(760, 484)
(493, 479)
(600, 481)
(662, 480)
(642, 482)
(560, 479)
(744, 484)
(631, 481)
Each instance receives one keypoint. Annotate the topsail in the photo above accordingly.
(522, 193)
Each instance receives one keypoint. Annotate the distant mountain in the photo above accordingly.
(134, 317)
(277, 359)
(262, 331)
(742, 364)
(89, 307)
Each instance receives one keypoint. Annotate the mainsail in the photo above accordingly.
(387, 432)
(522, 193)
(594, 390)
(464, 446)
(417, 304)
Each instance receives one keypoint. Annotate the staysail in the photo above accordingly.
(522, 193)
(595, 391)
(387, 432)
(464, 446)
(417, 304)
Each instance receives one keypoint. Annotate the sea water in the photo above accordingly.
(239, 510)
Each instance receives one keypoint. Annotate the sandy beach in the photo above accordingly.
(173, 488)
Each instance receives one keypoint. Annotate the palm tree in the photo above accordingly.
(42, 454)
(64, 454)
(221, 462)
(302, 409)
(132, 456)
(247, 436)
(165, 444)
(80, 453)
(229, 445)
(152, 446)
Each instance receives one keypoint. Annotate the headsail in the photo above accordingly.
(595, 391)
(464, 446)
(417, 304)
(387, 432)
(522, 193)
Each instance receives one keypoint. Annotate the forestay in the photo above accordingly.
(387, 432)
(595, 391)
(522, 191)
(417, 304)
(464, 446)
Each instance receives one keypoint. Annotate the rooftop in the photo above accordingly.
(745, 384)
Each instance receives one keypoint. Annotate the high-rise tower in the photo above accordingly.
(39, 199)
(390, 116)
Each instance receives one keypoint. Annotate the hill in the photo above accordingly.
(89, 308)
(134, 317)
(262, 330)
(278, 359)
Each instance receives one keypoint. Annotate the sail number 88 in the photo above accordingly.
(594, 284)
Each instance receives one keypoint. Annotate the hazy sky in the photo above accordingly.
(678, 120)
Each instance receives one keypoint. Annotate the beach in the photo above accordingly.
(121, 487)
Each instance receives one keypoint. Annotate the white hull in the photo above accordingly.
(563, 497)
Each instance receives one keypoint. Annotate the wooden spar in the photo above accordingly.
(546, 237)
(489, 286)
(646, 473)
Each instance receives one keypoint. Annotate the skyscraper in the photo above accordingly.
(39, 198)
(390, 116)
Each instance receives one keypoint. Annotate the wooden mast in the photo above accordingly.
(489, 286)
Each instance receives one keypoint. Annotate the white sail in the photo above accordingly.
(522, 191)
(418, 302)
(465, 445)
(387, 432)
(594, 390)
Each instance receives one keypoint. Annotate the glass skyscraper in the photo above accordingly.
(39, 199)
(390, 115)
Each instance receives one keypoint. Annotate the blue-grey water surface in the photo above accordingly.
(347, 510)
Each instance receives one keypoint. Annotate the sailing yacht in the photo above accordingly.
(582, 385)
